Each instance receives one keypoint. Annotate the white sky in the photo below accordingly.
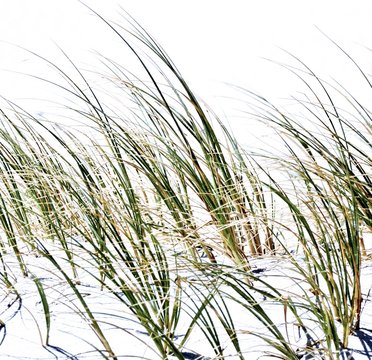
(211, 41)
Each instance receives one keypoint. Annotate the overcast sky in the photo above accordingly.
(211, 41)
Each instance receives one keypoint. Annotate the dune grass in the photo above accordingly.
(152, 202)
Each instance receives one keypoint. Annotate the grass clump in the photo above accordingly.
(160, 207)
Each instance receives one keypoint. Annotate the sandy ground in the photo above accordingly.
(23, 330)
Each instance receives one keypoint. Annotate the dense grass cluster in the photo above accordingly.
(160, 206)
